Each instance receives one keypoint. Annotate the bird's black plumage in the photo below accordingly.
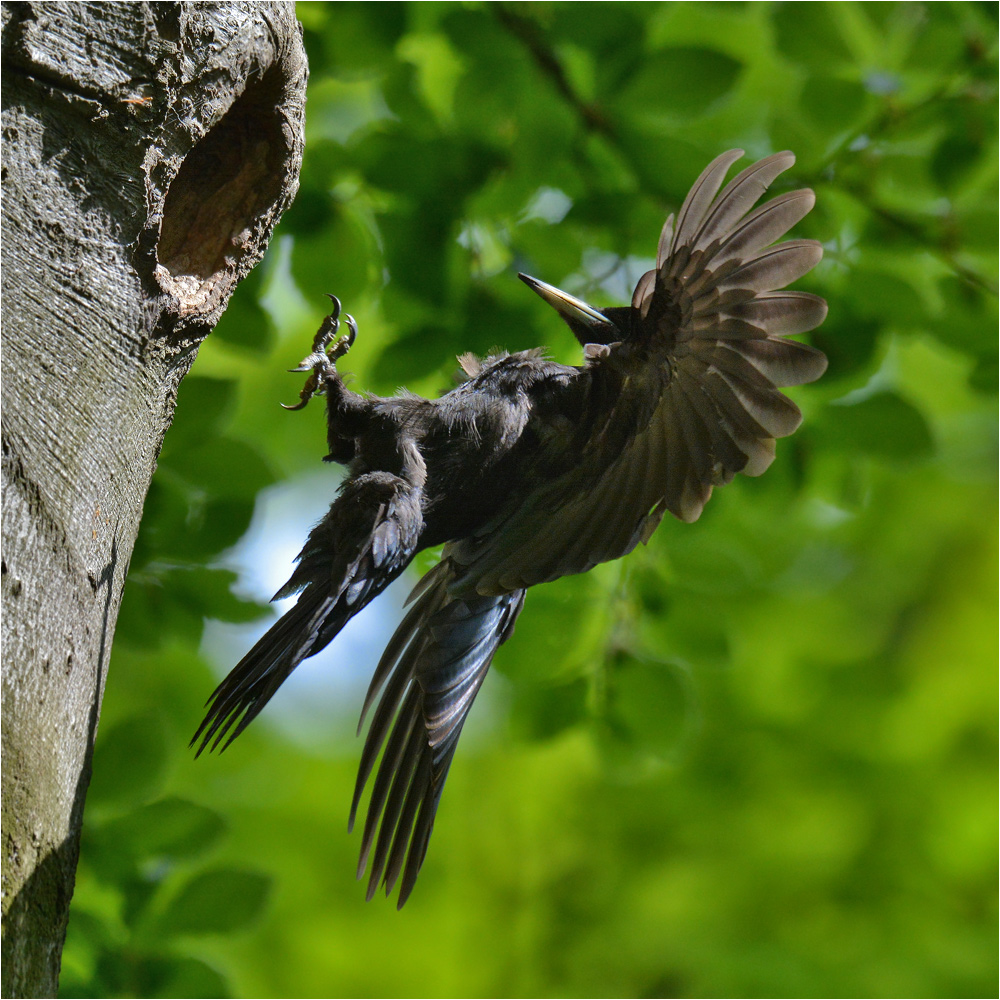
(531, 470)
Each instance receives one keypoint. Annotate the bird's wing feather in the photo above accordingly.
(425, 683)
(366, 540)
(693, 404)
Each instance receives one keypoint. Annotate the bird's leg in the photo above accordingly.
(321, 361)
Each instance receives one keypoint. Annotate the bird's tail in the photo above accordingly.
(249, 686)
(428, 677)
(366, 540)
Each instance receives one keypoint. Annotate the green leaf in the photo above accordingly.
(223, 466)
(983, 377)
(938, 44)
(152, 615)
(897, 302)
(954, 159)
(715, 564)
(202, 404)
(542, 712)
(210, 527)
(315, 205)
(170, 828)
(130, 761)
(181, 523)
(807, 34)
(217, 902)
(342, 108)
(679, 82)
(356, 39)
(847, 339)
(976, 227)
(164, 517)
(208, 593)
(613, 34)
(413, 357)
(834, 104)
(663, 161)
(968, 319)
(647, 703)
(563, 642)
(883, 425)
(138, 890)
(490, 322)
(170, 976)
(244, 322)
(338, 259)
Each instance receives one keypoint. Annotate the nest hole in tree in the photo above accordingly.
(231, 178)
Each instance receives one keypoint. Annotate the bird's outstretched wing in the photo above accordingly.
(428, 677)
(366, 540)
(687, 399)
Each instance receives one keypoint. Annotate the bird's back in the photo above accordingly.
(481, 441)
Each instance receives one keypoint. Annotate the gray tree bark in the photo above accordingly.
(149, 150)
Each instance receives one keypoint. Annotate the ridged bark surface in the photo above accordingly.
(149, 150)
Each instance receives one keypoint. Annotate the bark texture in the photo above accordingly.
(149, 150)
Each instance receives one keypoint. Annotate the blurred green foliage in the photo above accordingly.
(753, 759)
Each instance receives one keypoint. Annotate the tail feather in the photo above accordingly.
(238, 700)
(397, 817)
(427, 680)
(366, 540)
(396, 690)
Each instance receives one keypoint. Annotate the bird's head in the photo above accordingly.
(589, 325)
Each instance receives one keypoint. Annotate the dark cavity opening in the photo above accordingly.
(230, 178)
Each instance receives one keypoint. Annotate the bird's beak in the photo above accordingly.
(576, 312)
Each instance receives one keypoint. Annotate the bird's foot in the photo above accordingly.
(320, 362)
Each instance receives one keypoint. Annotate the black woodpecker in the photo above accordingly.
(531, 470)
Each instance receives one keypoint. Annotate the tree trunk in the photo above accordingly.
(149, 150)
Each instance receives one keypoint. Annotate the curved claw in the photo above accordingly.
(329, 327)
(320, 361)
(345, 343)
(307, 393)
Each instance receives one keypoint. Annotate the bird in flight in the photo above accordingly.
(531, 470)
